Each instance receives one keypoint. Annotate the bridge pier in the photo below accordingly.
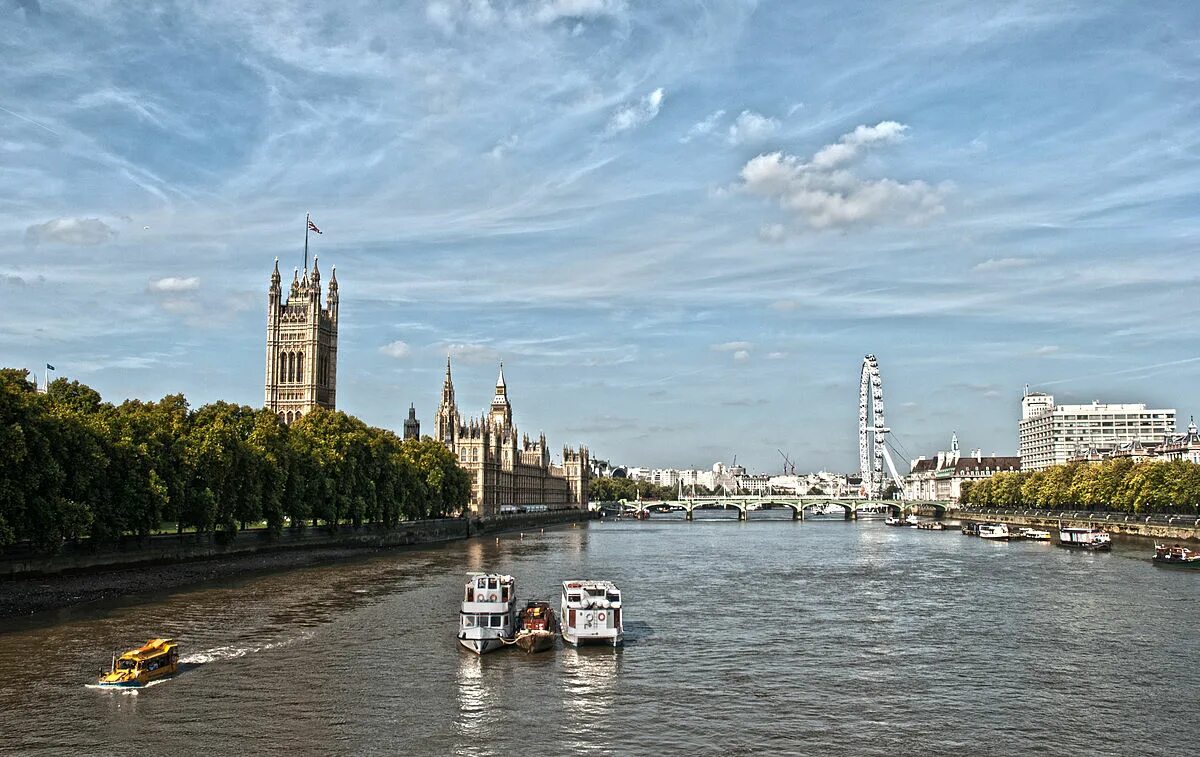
(797, 513)
(688, 513)
(743, 513)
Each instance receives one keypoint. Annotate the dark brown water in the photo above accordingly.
(767, 637)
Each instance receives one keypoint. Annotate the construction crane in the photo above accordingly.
(789, 468)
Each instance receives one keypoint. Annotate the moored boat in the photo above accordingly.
(1033, 534)
(537, 627)
(157, 658)
(487, 619)
(970, 528)
(1084, 537)
(1176, 554)
(590, 613)
(996, 531)
(931, 525)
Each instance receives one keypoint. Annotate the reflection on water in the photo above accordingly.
(764, 637)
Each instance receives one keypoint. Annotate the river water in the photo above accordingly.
(766, 637)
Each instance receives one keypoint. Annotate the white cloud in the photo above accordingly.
(74, 231)
(826, 194)
(848, 147)
(1048, 349)
(703, 128)
(504, 147)
(1002, 264)
(733, 346)
(772, 232)
(741, 355)
(751, 127)
(174, 284)
(396, 349)
(636, 114)
(776, 355)
(451, 15)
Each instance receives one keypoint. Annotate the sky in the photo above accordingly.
(681, 225)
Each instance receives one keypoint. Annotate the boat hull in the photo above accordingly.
(532, 642)
(1176, 563)
(481, 646)
(1087, 547)
(587, 641)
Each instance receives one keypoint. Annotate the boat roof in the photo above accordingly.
(595, 584)
(151, 648)
(477, 574)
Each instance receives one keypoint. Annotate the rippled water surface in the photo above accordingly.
(767, 637)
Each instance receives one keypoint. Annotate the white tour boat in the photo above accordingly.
(488, 617)
(591, 613)
(1034, 534)
(1086, 537)
(994, 531)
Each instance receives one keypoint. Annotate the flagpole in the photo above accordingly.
(307, 221)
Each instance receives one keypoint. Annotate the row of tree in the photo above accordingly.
(73, 466)
(615, 489)
(1150, 486)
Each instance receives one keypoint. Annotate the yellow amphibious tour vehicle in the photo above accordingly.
(158, 658)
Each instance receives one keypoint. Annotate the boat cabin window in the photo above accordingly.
(497, 621)
(572, 597)
(481, 583)
(126, 664)
(492, 584)
(614, 596)
(468, 621)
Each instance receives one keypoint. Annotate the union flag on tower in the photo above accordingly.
(313, 227)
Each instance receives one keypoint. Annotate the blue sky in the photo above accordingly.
(680, 224)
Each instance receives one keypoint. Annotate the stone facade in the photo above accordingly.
(301, 345)
(507, 468)
(941, 477)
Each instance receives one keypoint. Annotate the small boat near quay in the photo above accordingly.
(590, 613)
(488, 618)
(1033, 534)
(538, 627)
(909, 521)
(932, 525)
(994, 531)
(156, 659)
(1176, 554)
(970, 529)
(1084, 537)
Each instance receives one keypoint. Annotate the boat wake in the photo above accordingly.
(129, 690)
(232, 652)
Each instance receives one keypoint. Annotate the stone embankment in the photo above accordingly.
(1180, 528)
(33, 583)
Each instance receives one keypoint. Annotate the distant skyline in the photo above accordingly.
(680, 225)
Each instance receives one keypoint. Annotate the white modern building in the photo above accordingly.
(1052, 434)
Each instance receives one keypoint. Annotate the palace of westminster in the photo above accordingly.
(506, 468)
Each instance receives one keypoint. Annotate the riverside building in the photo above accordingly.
(942, 476)
(507, 468)
(1052, 434)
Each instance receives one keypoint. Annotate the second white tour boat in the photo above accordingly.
(591, 613)
(488, 618)
(998, 531)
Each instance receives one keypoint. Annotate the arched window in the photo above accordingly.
(300, 367)
(289, 417)
(282, 375)
(291, 367)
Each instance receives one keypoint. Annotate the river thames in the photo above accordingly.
(767, 637)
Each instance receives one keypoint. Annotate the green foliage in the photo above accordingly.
(74, 467)
(615, 489)
(1149, 486)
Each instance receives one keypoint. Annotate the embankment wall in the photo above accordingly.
(171, 548)
(1185, 530)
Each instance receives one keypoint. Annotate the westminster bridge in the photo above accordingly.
(745, 504)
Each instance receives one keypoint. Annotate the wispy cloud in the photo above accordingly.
(634, 115)
(705, 127)
(174, 284)
(85, 232)
(397, 349)
(1003, 264)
